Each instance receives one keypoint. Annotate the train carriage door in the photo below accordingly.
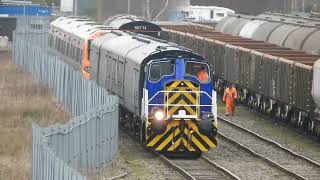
(120, 75)
(114, 75)
(136, 76)
(109, 72)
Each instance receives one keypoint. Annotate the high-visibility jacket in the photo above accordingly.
(203, 76)
(230, 94)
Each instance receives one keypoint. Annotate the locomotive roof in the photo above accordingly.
(136, 47)
(118, 20)
(81, 27)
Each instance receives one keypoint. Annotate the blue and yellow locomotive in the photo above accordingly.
(159, 89)
(166, 92)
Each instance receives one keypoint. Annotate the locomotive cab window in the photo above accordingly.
(160, 69)
(198, 70)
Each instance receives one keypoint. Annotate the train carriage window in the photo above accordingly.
(63, 47)
(56, 43)
(81, 55)
(211, 14)
(50, 39)
(160, 69)
(198, 70)
(78, 56)
(67, 49)
(72, 51)
(59, 45)
(220, 14)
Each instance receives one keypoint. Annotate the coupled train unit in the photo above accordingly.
(162, 98)
(71, 36)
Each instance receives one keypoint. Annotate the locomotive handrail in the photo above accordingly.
(195, 92)
(179, 105)
(166, 105)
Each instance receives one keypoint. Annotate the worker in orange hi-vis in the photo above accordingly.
(203, 74)
(230, 94)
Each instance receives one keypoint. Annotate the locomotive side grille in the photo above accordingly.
(184, 93)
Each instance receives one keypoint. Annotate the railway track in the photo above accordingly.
(250, 156)
(271, 152)
(199, 169)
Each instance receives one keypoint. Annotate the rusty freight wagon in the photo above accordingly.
(271, 79)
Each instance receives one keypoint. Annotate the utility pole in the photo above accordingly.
(129, 6)
(148, 10)
(285, 6)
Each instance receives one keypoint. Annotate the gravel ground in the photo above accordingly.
(275, 154)
(243, 164)
(286, 136)
(140, 164)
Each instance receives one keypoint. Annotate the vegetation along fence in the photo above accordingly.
(89, 141)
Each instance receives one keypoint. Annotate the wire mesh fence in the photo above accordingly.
(89, 141)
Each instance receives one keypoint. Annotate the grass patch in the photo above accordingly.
(22, 101)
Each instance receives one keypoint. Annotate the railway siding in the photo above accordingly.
(243, 163)
(273, 80)
(291, 161)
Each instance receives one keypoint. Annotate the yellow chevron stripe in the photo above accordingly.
(174, 97)
(189, 84)
(157, 138)
(196, 141)
(207, 140)
(169, 139)
(177, 94)
(174, 108)
(175, 145)
(175, 84)
(187, 145)
(188, 108)
(192, 99)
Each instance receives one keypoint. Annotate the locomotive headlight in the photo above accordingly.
(159, 115)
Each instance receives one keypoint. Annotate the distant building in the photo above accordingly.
(208, 13)
(13, 10)
(252, 7)
(10, 10)
(66, 6)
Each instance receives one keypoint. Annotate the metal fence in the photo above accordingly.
(89, 141)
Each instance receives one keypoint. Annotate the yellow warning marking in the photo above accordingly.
(195, 140)
(175, 145)
(175, 84)
(187, 145)
(169, 139)
(157, 138)
(189, 84)
(207, 140)
(173, 109)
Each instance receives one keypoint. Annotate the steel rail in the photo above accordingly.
(182, 170)
(176, 167)
(224, 170)
(188, 175)
(275, 144)
(266, 159)
(263, 158)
